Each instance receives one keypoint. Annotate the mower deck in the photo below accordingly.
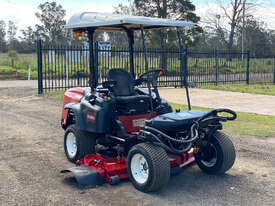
(94, 169)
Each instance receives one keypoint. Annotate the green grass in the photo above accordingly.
(245, 124)
(266, 89)
(6, 70)
(21, 64)
(59, 95)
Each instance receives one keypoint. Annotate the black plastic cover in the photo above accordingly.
(174, 121)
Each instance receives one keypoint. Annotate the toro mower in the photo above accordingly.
(118, 130)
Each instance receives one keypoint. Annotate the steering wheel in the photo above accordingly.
(153, 76)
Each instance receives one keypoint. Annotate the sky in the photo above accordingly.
(22, 11)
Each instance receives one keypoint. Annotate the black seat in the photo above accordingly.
(127, 100)
(124, 82)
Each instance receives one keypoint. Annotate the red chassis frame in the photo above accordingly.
(117, 167)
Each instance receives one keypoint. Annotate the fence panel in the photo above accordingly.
(217, 67)
(62, 67)
(262, 69)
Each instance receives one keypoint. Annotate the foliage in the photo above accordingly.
(21, 64)
(51, 17)
(12, 54)
(172, 9)
(2, 36)
(6, 70)
(257, 38)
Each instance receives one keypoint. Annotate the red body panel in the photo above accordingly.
(135, 122)
(73, 95)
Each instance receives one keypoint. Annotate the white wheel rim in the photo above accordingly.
(139, 168)
(71, 145)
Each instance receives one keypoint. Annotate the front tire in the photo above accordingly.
(78, 143)
(148, 167)
(218, 156)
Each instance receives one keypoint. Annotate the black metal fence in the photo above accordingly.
(62, 67)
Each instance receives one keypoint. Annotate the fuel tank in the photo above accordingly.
(175, 121)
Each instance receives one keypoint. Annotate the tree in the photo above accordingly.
(28, 39)
(234, 11)
(3, 45)
(258, 38)
(12, 40)
(51, 17)
(172, 9)
(12, 54)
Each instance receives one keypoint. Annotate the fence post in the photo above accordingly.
(217, 67)
(39, 66)
(274, 69)
(247, 67)
(185, 65)
(96, 61)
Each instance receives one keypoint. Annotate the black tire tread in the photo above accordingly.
(161, 166)
(85, 140)
(229, 154)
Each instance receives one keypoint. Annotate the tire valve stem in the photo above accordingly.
(196, 149)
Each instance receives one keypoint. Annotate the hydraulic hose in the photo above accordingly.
(193, 136)
(164, 146)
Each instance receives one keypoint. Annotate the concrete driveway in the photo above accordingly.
(242, 102)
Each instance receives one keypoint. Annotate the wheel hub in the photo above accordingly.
(139, 168)
(209, 156)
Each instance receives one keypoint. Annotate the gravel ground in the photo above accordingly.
(31, 145)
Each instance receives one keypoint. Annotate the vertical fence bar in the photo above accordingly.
(96, 61)
(274, 69)
(39, 66)
(248, 67)
(217, 67)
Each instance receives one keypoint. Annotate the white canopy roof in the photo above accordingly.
(112, 22)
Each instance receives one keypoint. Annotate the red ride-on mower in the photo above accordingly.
(119, 131)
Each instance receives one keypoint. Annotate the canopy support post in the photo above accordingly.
(146, 69)
(183, 67)
(130, 35)
(93, 74)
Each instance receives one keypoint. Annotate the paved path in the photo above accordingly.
(18, 83)
(242, 102)
(251, 103)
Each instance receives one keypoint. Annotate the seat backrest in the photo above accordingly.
(124, 82)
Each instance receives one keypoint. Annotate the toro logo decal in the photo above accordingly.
(139, 122)
(91, 117)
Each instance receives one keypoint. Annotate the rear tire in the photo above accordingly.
(148, 167)
(218, 157)
(78, 143)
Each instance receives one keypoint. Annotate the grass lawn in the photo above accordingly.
(21, 64)
(267, 89)
(6, 70)
(245, 124)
